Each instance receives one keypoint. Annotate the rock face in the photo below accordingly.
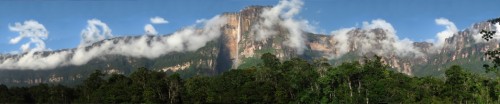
(239, 37)
(464, 48)
(231, 37)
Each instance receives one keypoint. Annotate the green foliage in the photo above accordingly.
(274, 81)
(249, 62)
(493, 86)
(270, 61)
(493, 55)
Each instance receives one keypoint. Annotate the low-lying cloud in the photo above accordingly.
(188, 39)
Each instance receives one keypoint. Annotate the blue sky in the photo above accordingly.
(413, 19)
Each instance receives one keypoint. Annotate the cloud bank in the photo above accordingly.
(188, 39)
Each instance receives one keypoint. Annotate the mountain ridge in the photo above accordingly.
(237, 47)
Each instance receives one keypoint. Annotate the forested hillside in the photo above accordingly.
(290, 81)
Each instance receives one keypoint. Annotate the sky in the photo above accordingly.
(65, 19)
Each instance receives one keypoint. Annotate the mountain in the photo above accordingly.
(238, 48)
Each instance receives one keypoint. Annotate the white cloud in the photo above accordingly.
(150, 30)
(36, 32)
(95, 31)
(497, 28)
(283, 14)
(35, 61)
(158, 20)
(368, 40)
(343, 43)
(200, 20)
(448, 32)
(33, 30)
(380, 24)
(478, 37)
(390, 44)
(430, 40)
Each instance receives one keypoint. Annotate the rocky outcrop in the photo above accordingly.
(177, 67)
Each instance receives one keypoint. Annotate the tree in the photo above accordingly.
(4, 94)
(174, 88)
(457, 84)
(117, 89)
(270, 61)
(293, 81)
(149, 86)
(197, 90)
(60, 94)
(89, 87)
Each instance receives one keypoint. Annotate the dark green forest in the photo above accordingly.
(291, 81)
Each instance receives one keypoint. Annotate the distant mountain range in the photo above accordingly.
(238, 48)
